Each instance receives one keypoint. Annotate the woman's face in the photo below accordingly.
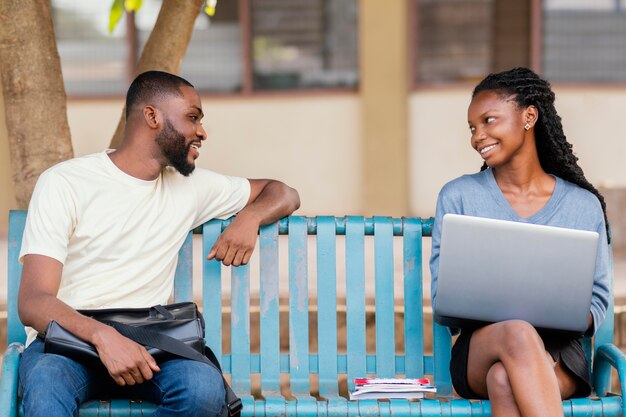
(497, 127)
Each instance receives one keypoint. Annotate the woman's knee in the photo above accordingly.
(498, 381)
(519, 337)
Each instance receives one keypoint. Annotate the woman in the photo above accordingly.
(530, 174)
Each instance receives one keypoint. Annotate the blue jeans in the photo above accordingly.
(54, 386)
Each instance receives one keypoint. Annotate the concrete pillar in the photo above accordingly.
(384, 97)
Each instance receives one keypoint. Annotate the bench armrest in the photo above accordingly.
(607, 356)
(9, 381)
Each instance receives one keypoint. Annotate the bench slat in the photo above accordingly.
(605, 333)
(269, 306)
(413, 311)
(327, 305)
(212, 290)
(442, 345)
(17, 220)
(183, 284)
(384, 299)
(355, 298)
(298, 307)
(240, 328)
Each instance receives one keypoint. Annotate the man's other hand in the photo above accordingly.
(269, 201)
(236, 244)
(128, 362)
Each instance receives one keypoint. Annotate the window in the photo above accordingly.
(249, 45)
(454, 39)
(566, 40)
(92, 60)
(304, 43)
(584, 40)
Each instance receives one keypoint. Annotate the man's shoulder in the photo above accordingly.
(76, 164)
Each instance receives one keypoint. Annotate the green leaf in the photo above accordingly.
(132, 5)
(117, 10)
(210, 7)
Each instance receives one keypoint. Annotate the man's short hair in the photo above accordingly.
(153, 85)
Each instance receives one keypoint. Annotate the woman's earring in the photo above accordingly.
(527, 126)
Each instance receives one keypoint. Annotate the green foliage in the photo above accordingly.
(118, 7)
(117, 10)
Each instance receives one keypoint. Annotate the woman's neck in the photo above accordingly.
(523, 178)
(527, 187)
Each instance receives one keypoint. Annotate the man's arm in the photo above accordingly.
(269, 201)
(127, 362)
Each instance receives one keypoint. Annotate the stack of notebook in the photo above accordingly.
(381, 388)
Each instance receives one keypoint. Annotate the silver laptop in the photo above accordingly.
(494, 270)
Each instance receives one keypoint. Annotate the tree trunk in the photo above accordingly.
(34, 96)
(166, 45)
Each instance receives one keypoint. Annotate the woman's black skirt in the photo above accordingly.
(569, 350)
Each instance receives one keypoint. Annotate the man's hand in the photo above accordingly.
(128, 362)
(236, 244)
(269, 201)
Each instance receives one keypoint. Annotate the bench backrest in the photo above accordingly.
(298, 358)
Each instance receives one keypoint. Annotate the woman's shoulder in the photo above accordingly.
(466, 183)
(575, 194)
(580, 206)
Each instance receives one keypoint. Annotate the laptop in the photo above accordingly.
(494, 270)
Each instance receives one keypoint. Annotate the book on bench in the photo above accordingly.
(388, 388)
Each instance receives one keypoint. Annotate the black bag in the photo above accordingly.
(167, 331)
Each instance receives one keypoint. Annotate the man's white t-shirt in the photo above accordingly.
(118, 236)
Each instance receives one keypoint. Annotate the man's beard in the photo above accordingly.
(173, 147)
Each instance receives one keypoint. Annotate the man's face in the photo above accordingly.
(176, 149)
(182, 134)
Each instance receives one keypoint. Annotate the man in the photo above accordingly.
(104, 230)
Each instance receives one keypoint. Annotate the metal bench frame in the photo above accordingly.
(323, 361)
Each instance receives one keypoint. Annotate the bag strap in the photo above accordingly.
(171, 345)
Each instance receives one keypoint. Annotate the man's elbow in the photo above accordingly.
(293, 198)
(29, 306)
(24, 313)
(288, 197)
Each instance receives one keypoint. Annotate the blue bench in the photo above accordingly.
(364, 239)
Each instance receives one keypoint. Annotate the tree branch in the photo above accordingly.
(34, 95)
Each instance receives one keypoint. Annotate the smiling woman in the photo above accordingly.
(498, 127)
(529, 175)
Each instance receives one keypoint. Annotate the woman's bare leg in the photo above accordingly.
(500, 392)
(518, 348)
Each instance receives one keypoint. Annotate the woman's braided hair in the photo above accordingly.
(555, 152)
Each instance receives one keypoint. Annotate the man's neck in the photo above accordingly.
(135, 164)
